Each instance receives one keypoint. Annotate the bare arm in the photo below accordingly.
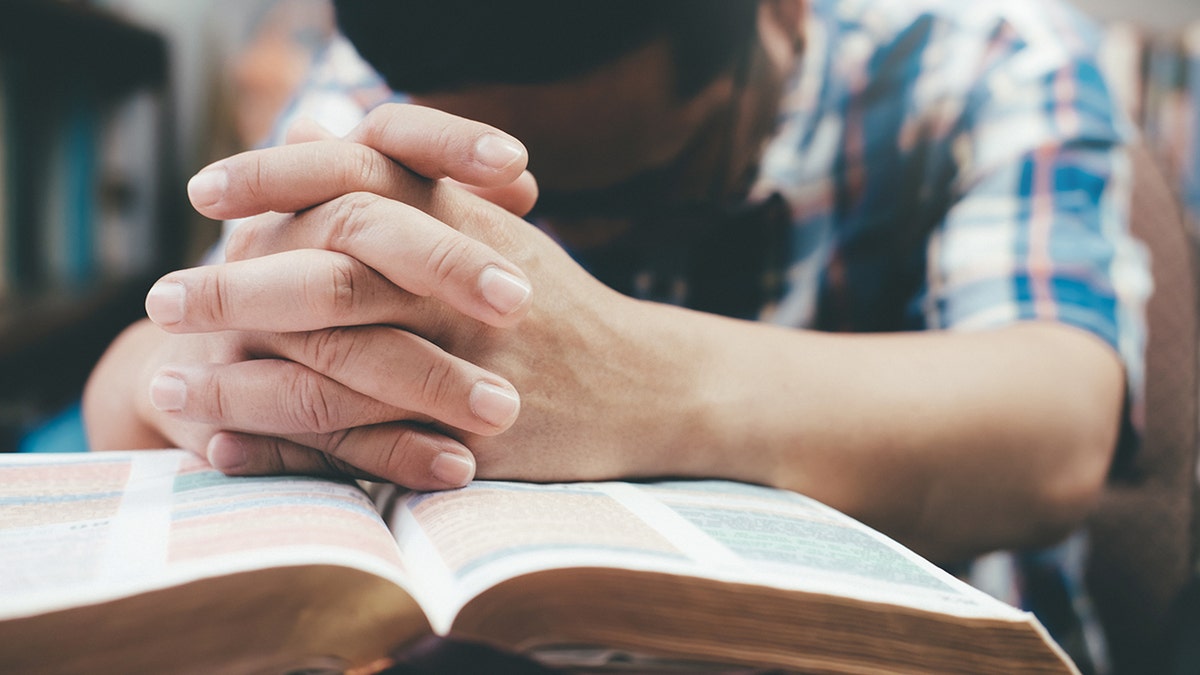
(955, 443)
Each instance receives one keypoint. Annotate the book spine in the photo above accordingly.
(67, 221)
(80, 192)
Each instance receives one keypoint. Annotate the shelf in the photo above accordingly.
(30, 320)
(50, 341)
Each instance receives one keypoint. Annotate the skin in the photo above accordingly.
(351, 327)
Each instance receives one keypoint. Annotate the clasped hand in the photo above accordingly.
(372, 319)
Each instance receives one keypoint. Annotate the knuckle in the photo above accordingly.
(349, 217)
(255, 177)
(397, 452)
(335, 443)
(326, 351)
(217, 398)
(330, 289)
(449, 137)
(272, 453)
(216, 306)
(450, 253)
(362, 169)
(307, 400)
(334, 446)
(437, 386)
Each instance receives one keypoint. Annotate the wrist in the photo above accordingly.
(682, 404)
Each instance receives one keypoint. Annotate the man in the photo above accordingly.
(942, 184)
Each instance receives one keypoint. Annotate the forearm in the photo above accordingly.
(954, 443)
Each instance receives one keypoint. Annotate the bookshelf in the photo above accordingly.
(89, 205)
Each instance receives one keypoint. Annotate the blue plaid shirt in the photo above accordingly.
(940, 164)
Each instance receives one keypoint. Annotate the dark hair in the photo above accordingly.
(424, 46)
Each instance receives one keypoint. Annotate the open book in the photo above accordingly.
(152, 561)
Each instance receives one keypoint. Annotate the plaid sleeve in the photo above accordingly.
(1039, 226)
(338, 92)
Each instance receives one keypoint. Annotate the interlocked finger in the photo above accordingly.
(266, 396)
(404, 371)
(408, 455)
(412, 249)
(299, 290)
(424, 144)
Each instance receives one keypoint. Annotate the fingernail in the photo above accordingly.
(226, 453)
(168, 393)
(453, 469)
(495, 405)
(165, 303)
(497, 152)
(208, 187)
(503, 291)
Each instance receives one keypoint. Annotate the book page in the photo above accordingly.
(463, 541)
(791, 541)
(82, 528)
(471, 539)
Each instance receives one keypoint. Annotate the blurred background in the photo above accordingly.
(108, 106)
